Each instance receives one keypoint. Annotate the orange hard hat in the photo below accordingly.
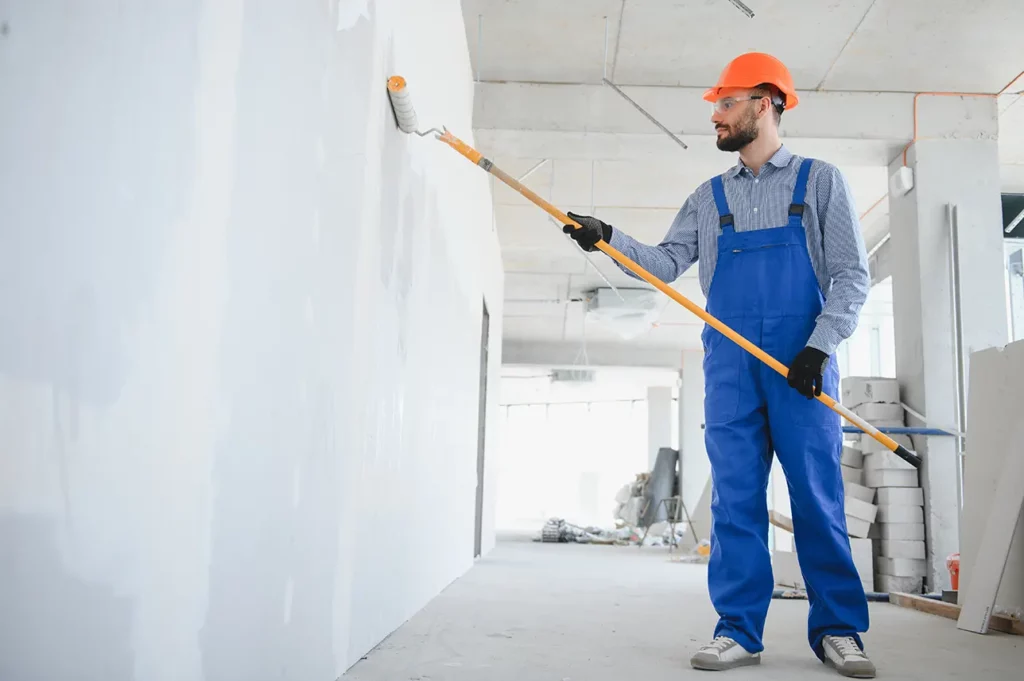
(752, 69)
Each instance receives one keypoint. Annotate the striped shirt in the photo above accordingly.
(834, 240)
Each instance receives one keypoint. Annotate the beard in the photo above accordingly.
(738, 136)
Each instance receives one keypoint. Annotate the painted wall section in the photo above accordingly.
(240, 322)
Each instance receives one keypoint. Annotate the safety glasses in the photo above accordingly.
(726, 103)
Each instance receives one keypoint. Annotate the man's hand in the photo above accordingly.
(591, 231)
(806, 373)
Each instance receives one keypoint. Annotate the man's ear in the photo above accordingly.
(764, 107)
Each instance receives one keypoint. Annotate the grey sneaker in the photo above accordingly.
(843, 653)
(721, 654)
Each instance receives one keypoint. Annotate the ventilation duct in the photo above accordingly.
(572, 376)
(632, 314)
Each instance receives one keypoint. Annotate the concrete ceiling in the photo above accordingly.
(540, 100)
(867, 45)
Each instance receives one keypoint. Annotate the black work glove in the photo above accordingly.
(806, 373)
(591, 231)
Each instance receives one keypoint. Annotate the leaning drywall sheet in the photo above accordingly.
(979, 596)
(995, 394)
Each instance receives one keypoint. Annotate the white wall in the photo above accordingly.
(239, 334)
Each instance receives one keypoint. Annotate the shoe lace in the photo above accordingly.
(847, 646)
(720, 643)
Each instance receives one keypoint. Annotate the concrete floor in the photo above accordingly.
(559, 612)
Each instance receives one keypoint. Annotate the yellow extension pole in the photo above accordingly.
(477, 158)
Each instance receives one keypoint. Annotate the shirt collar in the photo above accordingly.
(780, 159)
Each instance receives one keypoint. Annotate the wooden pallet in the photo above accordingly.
(1007, 625)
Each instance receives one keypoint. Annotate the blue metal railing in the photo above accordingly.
(903, 430)
(897, 430)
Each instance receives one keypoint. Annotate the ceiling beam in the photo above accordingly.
(599, 109)
(605, 146)
(566, 355)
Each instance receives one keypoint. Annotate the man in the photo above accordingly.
(782, 262)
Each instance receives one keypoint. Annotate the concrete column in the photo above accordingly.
(695, 468)
(955, 161)
(659, 421)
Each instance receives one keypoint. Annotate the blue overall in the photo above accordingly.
(765, 289)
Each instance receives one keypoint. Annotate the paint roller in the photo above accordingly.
(401, 104)
(405, 116)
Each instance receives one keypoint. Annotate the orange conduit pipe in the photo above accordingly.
(874, 205)
(954, 94)
(940, 94)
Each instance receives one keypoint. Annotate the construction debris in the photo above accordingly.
(648, 512)
(558, 531)
(701, 553)
(630, 501)
(662, 484)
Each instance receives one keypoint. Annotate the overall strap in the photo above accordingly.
(796, 208)
(725, 219)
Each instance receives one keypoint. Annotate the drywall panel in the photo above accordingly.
(996, 384)
(240, 321)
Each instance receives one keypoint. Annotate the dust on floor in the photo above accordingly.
(564, 612)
